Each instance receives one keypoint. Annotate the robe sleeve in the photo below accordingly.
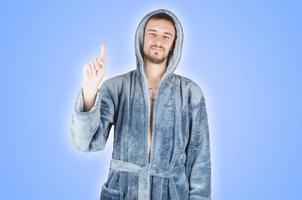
(198, 162)
(90, 130)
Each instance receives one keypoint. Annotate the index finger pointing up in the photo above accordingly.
(102, 51)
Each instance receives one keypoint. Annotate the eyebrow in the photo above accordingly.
(167, 33)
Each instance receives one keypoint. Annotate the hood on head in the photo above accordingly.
(139, 41)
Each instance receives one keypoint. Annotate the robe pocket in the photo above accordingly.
(111, 194)
(179, 187)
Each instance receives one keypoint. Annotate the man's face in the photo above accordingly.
(158, 40)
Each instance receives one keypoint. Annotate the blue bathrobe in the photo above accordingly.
(180, 166)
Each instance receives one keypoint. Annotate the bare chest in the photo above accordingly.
(152, 94)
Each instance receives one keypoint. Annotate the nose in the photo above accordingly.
(158, 43)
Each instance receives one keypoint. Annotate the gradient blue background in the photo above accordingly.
(245, 55)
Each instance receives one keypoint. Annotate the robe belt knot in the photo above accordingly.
(144, 174)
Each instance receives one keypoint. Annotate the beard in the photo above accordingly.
(154, 59)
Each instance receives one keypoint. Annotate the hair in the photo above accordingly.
(162, 16)
(167, 17)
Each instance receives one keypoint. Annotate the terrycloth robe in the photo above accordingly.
(180, 166)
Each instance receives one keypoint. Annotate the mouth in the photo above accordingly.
(157, 48)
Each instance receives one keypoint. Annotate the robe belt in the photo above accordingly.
(144, 174)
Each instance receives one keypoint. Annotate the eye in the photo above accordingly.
(152, 34)
(166, 37)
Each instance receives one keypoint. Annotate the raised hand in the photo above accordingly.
(93, 74)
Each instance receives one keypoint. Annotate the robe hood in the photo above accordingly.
(139, 42)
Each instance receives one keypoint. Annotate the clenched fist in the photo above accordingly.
(93, 74)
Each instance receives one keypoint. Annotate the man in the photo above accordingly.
(161, 136)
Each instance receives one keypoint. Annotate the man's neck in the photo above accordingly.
(154, 72)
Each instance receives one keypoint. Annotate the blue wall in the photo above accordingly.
(245, 55)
